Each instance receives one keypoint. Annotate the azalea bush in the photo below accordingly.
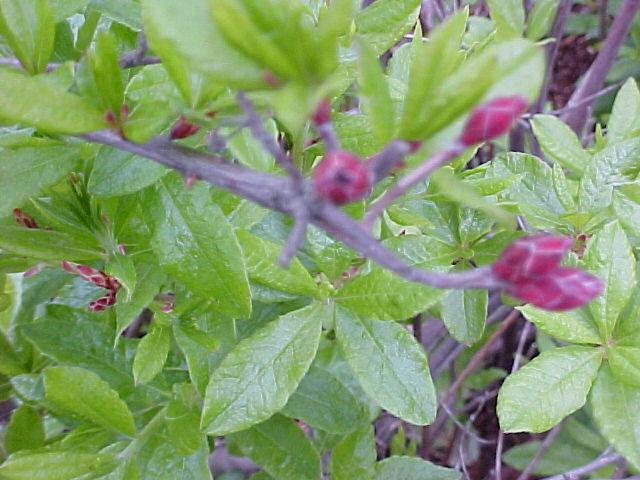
(305, 239)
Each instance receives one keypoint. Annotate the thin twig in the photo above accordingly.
(416, 175)
(608, 457)
(544, 446)
(296, 236)
(597, 73)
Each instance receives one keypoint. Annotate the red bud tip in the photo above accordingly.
(92, 275)
(121, 249)
(124, 112)
(183, 129)
(110, 118)
(189, 180)
(103, 303)
(322, 113)
(414, 146)
(341, 178)
(564, 288)
(270, 79)
(531, 256)
(493, 119)
(23, 219)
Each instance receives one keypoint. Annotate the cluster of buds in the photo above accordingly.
(99, 279)
(530, 268)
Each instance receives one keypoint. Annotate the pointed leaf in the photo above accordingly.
(411, 468)
(25, 430)
(355, 456)
(151, 353)
(55, 466)
(559, 142)
(574, 326)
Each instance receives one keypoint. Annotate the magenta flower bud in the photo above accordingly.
(92, 275)
(342, 178)
(183, 129)
(101, 304)
(564, 288)
(23, 219)
(531, 256)
(493, 119)
(322, 113)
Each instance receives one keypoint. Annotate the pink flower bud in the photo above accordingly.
(322, 114)
(564, 288)
(101, 304)
(92, 275)
(183, 129)
(493, 119)
(341, 178)
(531, 256)
(23, 219)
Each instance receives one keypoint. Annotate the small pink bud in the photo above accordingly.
(124, 112)
(270, 79)
(189, 181)
(414, 146)
(183, 129)
(564, 288)
(104, 302)
(531, 256)
(92, 275)
(34, 270)
(493, 119)
(167, 307)
(342, 178)
(322, 113)
(110, 118)
(121, 249)
(23, 219)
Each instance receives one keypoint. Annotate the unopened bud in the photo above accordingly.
(493, 119)
(183, 129)
(341, 177)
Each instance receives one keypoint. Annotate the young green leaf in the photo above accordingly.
(625, 364)
(29, 30)
(560, 143)
(35, 102)
(83, 394)
(411, 468)
(375, 94)
(508, 15)
(25, 430)
(561, 187)
(196, 244)
(464, 312)
(107, 74)
(25, 171)
(183, 427)
(541, 18)
(197, 347)
(547, 389)
(354, 456)
(390, 365)
(58, 465)
(322, 401)
(123, 269)
(614, 411)
(256, 379)
(384, 22)
(47, 245)
(609, 257)
(625, 115)
(280, 447)
(151, 353)
(574, 326)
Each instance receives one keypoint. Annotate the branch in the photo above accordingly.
(603, 460)
(282, 194)
(439, 159)
(597, 73)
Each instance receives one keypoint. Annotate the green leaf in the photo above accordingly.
(547, 389)
(381, 294)
(280, 448)
(390, 365)
(46, 245)
(190, 33)
(606, 169)
(574, 326)
(625, 364)
(197, 245)
(355, 456)
(541, 18)
(63, 9)
(384, 22)
(55, 466)
(262, 267)
(69, 337)
(123, 269)
(118, 173)
(411, 468)
(508, 15)
(183, 427)
(149, 280)
(323, 402)
(615, 411)
(10, 362)
(560, 143)
(35, 102)
(375, 94)
(464, 312)
(28, 28)
(256, 379)
(25, 171)
(561, 187)
(608, 256)
(151, 354)
(84, 395)
(249, 151)
(25, 430)
(196, 346)
(107, 74)
(625, 114)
